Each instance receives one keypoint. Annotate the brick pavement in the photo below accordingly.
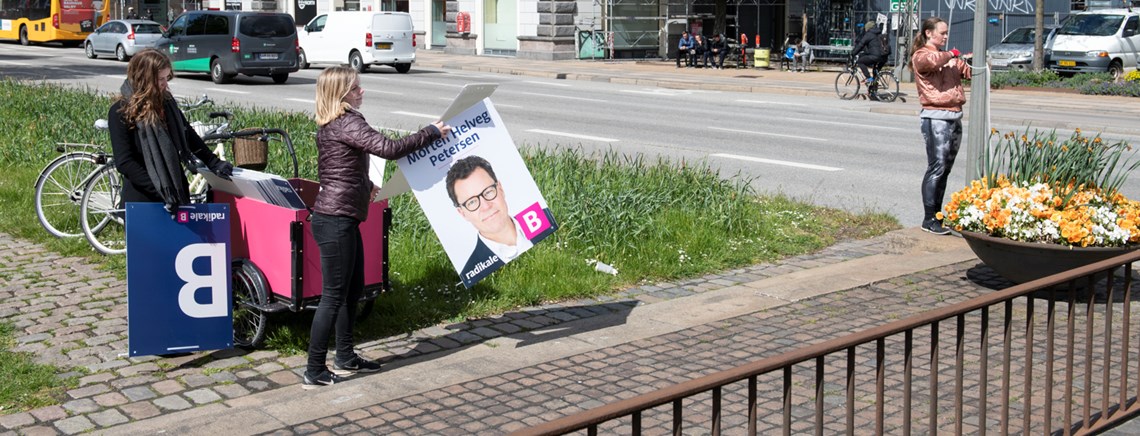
(70, 314)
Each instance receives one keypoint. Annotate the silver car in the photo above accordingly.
(1015, 52)
(123, 38)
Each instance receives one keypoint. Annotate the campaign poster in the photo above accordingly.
(178, 279)
(478, 194)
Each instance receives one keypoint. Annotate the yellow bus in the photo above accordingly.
(66, 21)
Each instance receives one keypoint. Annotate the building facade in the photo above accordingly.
(568, 29)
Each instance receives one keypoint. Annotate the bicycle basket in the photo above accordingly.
(251, 152)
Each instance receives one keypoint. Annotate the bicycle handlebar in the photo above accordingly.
(201, 102)
(264, 136)
(221, 114)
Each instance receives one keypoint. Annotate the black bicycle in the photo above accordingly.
(848, 83)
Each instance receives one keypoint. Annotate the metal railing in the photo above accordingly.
(1052, 388)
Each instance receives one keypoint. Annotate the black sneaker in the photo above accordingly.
(325, 378)
(935, 227)
(355, 365)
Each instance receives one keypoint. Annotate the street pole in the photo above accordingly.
(979, 96)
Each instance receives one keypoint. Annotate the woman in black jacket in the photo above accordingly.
(153, 144)
(344, 141)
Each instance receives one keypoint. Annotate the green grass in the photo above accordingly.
(652, 219)
(27, 385)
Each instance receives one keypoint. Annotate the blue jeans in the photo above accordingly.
(342, 283)
(943, 137)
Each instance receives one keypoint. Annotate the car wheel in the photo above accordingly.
(1116, 69)
(403, 68)
(121, 53)
(280, 78)
(24, 35)
(302, 60)
(355, 62)
(89, 50)
(216, 73)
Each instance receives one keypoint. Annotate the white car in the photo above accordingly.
(360, 40)
(122, 38)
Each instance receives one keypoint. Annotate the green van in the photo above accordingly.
(227, 43)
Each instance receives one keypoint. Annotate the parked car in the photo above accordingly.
(227, 43)
(1097, 41)
(123, 38)
(359, 39)
(1015, 51)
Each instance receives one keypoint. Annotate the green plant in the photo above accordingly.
(1038, 188)
(27, 385)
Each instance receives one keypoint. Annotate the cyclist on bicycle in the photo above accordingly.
(872, 51)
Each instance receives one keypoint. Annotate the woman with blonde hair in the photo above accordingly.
(152, 141)
(938, 75)
(344, 141)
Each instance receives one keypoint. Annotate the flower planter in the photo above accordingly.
(1021, 262)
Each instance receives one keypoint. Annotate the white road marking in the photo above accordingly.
(393, 129)
(116, 76)
(381, 92)
(228, 90)
(777, 162)
(547, 83)
(753, 132)
(771, 102)
(302, 100)
(15, 63)
(415, 114)
(837, 123)
(662, 92)
(564, 96)
(573, 135)
(508, 105)
(450, 85)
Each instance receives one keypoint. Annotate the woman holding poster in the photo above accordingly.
(344, 141)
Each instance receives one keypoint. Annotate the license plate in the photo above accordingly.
(1067, 63)
(383, 46)
(999, 62)
(267, 56)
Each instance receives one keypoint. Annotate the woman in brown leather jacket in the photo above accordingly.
(344, 141)
(938, 75)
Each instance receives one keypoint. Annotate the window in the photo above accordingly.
(319, 24)
(148, 28)
(217, 25)
(179, 26)
(1091, 24)
(266, 26)
(196, 24)
(490, 11)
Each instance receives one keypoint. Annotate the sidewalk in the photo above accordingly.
(484, 376)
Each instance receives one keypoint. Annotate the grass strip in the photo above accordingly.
(653, 219)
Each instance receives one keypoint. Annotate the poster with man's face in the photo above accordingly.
(478, 194)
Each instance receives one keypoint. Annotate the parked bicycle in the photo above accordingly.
(884, 87)
(77, 193)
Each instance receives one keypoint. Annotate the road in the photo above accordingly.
(854, 155)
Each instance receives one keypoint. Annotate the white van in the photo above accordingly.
(1096, 41)
(359, 39)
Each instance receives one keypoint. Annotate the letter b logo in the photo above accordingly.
(214, 280)
(533, 221)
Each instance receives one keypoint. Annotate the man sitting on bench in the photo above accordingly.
(685, 49)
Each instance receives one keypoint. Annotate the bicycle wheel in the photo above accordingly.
(101, 213)
(58, 190)
(847, 85)
(249, 289)
(888, 87)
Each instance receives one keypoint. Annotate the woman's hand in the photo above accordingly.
(444, 129)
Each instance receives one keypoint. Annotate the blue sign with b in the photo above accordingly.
(178, 279)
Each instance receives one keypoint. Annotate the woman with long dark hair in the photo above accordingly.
(938, 75)
(152, 141)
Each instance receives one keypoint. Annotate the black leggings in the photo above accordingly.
(943, 137)
(342, 282)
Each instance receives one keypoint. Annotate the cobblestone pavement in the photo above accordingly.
(69, 314)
